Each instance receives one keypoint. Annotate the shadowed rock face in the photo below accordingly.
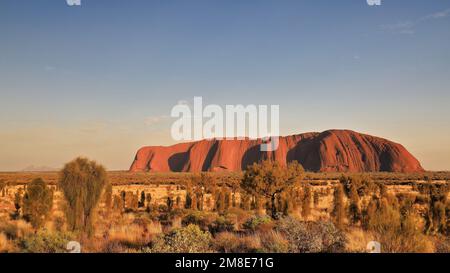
(329, 151)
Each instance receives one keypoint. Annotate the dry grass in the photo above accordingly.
(5, 244)
(129, 232)
(357, 240)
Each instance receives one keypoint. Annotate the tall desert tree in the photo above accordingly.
(306, 201)
(269, 180)
(338, 213)
(82, 182)
(37, 202)
(108, 196)
(18, 198)
(3, 187)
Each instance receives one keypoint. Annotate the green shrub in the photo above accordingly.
(361, 184)
(45, 242)
(37, 203)
(190, 239)
(200, 218)
(255, 222)
(270, 180)
(221, 224)
(82, 182)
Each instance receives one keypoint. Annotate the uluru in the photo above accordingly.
(329, 151)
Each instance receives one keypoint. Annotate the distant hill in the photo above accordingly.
(33, 168)
(329, 151)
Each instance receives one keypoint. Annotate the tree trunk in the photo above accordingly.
(273, 207)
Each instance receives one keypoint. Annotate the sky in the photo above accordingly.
(99, 80)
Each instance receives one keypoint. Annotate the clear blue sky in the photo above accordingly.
(99, 80)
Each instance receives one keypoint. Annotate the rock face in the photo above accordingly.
(329, 151)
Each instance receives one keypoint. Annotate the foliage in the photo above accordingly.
(3, 187)
(45, 241)
(108, 196)
(199, 218)
(37, 202)
(306, 202)
(269, 179)
(395, 232)
(141, 203)
(311, 237)
(362, 184)
(82, 182)
(221, 224)
(338, 213)
(190, 239)
(255, 222)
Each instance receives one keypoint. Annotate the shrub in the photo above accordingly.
(169, 203)
(443, 245)
(220, 201)
(396, 232)
(82, 182)
(10, 230)
(15, 229)
(311, 237)
(37, 203)
(316, 199)
(269, 180)
(117, 203)
(227, 242)
(188, 202)
(255, 222)
(338, 213)
(3, 187)
(45, 242)
(274, 242)
(108, 196)
(422, 199)
(361, 184)
(306, 202)
(141, 203)
(190, 239)
(148, 198)
(221, 224)
(199, 218)
(240, 215)
(18, 198)
(354, 210)
(5, 244)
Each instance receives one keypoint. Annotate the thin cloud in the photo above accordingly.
(408, 27)
(402, 27)
(437, 15)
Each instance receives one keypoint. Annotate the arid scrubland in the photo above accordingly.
(265, 209)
